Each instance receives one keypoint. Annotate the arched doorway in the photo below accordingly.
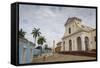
(70, 45)
(79, 44)
(86, 43)
(63, 45)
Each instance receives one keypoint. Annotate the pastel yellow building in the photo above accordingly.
(58, 47)
(78, 36)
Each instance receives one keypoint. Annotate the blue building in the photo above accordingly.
(27, 51)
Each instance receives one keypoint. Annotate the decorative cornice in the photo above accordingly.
(77, 32)
(72, 19)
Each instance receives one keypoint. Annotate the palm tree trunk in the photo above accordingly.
(40, 51)
(35, 41)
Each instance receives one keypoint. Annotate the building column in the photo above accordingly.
(83, 42)
(66, 45)
(74, 44)
(63, 45)
(31, 54)
(90, 43)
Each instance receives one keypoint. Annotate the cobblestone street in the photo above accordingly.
(60, 57)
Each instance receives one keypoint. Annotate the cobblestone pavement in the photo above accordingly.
(60, 58)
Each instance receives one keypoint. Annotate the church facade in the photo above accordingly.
(78, 36)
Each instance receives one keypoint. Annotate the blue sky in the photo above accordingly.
(51, 20)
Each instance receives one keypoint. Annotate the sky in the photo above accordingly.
(51, 20)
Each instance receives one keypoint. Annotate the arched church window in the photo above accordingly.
(70, 45)
(64, 45)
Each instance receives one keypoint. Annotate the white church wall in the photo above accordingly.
(74, 44)
(66, 45)
(76, 31)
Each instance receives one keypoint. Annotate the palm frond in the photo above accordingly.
(22, 33)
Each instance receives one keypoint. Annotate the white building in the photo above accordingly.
(78, 36)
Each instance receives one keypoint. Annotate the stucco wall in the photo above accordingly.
(73, 27)
(27, 57)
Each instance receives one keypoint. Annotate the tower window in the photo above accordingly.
(69, 30)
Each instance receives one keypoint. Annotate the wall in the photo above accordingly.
(93, 33)
(25, 48)
(73, 27)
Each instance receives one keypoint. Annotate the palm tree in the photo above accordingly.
(36, 33)
(46, 46)
(41, 40)
(22, 33)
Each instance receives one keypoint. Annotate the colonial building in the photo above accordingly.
(58, 48)
(78, 36)
(28, 50)
(25, 51)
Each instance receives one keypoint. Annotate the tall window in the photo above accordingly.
(79, 44)
(95, 38)
(64, 45)
(69, 30)
(70, 45)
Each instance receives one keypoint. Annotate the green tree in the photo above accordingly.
(46, 46)
(41, 40)
(36, 32)
(22, 33)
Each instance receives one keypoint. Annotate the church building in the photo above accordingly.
(78, 36)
